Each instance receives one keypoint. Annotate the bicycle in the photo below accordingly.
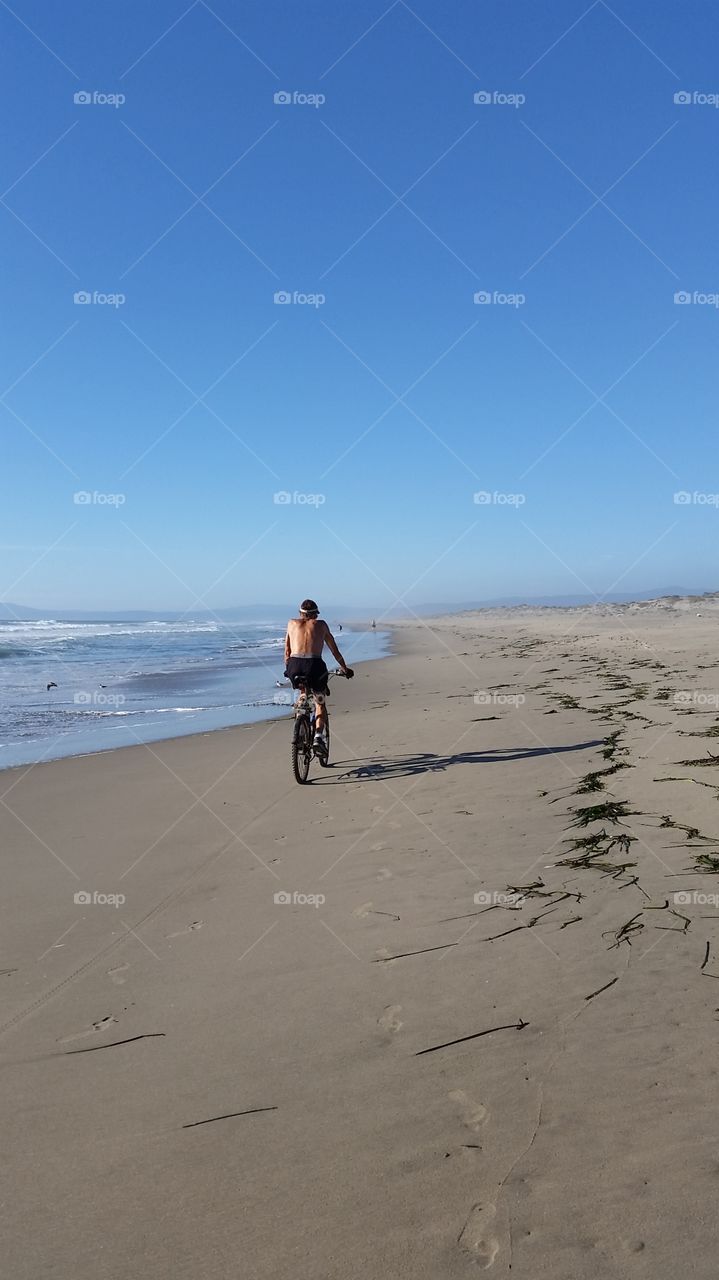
(304, 731)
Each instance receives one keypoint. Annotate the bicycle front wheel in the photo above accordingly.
(301, 749)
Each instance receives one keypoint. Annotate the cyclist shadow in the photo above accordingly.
(383, 768)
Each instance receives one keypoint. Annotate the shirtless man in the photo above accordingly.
(306, 638)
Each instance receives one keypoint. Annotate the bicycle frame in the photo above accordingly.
(302, 739)
(308, 701)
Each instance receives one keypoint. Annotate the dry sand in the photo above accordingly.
(573, 1140)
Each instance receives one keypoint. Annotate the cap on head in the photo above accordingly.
(309, 609)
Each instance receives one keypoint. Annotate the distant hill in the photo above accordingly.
(565, 602)
(245, 613)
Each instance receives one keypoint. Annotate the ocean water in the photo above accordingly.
(119, 683)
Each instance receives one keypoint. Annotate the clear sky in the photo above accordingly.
(581, 407)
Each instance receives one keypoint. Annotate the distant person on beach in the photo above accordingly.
(306, 638)
(374, 625)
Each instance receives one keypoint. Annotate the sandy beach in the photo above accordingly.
(428, 1015)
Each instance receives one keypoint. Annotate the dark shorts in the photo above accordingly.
(310, 670)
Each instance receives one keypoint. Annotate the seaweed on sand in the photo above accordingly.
(612, 745)
(707, 861)
(609, 811)
(594, 781)
(624, 933)
(702, 762)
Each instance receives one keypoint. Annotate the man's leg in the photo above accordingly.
(321, 713)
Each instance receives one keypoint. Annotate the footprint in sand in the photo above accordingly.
(477, 1239)
(390, 1020)
(190, 928)
(474, 1113)
(100, 1025)
(117, 975)
(384, 873)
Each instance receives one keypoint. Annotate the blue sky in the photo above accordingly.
(396, 199)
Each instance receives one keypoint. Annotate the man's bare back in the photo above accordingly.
(307, 637)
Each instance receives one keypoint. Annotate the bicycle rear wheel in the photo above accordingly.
(301, 749)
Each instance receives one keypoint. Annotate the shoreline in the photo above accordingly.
(258, 714)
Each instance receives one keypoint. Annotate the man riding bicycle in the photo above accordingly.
(306, 638)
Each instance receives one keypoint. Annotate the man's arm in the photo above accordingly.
(331, 645)
(288, 647)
